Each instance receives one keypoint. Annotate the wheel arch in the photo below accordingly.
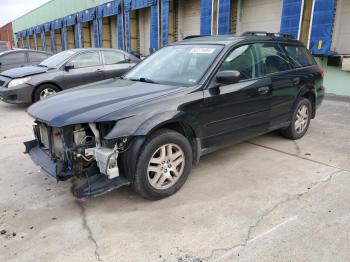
(140, 134)
(310, 94)
(45, 83)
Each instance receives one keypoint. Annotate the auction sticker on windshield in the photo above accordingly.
(202, 50)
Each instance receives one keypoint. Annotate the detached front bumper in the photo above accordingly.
(91, 186)
(21, 94)
(41, 158)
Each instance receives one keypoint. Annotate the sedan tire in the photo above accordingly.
(44, 91)
(163, 166)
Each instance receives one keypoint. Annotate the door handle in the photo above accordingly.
(263, 90)
(99, 71)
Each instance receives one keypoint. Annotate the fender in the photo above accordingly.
(304, 90)
(142, 125)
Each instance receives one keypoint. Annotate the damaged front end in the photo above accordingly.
(79, 151)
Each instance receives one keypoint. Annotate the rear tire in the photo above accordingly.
(163, 166)
(301, 118)
(44, 91)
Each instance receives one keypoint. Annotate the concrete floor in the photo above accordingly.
(269, 199)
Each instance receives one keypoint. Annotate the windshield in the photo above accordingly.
(177, 65)
(58, 59)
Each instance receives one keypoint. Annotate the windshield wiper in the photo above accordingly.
(42, 65)
(143, 79)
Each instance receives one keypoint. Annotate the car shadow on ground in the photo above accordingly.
(126, 200)
(5, 107)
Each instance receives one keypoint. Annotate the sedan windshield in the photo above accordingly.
(177, 65)
(58, 59)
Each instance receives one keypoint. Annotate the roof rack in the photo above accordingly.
(263, 33)
(192, 36)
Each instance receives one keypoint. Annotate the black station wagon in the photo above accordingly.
(148, 128)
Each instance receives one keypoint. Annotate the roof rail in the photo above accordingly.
(263, 33)
(191, 36)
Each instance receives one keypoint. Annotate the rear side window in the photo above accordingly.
(13, 59)
(37, 57)
(299, 55)
(272, 58)
(112, 58)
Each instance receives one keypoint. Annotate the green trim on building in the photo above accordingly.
(336, 81)
(52, 10)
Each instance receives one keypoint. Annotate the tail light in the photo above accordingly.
(321, 71)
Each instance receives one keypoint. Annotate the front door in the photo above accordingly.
(87, 68)
(238, 111)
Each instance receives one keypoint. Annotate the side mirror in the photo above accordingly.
(68, 66)
(228, 77)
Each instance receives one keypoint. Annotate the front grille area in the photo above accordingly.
(44, 136)
(51, 139)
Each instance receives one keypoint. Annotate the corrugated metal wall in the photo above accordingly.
(141, 26)
(53, 10)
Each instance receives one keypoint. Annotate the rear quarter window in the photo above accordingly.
(299, 55)
(13, 58)
(37, 57)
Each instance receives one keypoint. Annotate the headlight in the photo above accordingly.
(19, 81)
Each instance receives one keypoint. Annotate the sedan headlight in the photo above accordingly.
(19, 81)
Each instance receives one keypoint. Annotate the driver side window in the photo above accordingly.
(242, 59)
(88, 59)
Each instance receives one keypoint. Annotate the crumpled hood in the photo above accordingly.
(90, 103)
(24, 71)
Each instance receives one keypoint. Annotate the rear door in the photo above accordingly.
(115, 63)
(284, 82)
(88, 68)
(238, 111)
(13, 60)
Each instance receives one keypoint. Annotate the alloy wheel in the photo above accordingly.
(46, 92)
(166, 166)
(302, 119)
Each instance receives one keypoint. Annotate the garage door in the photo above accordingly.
(87, 35)
(234, 12)
(263, 15)
(58, 40)
(70, 35)
(189, 18)
(106, 32)
(31, 41)
(38, 42)
(114, 31)
(48, 41)
(341, 35)
(173, 18)
(134, 31)
(145, 30)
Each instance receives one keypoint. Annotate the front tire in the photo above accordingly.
(163, 166)
(301, 119)
(44, 91)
